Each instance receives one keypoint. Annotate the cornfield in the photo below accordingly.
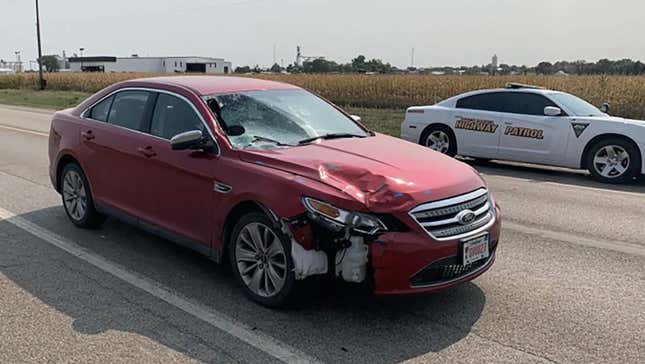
(626, 94)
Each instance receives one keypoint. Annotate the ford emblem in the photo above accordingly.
(466, 217)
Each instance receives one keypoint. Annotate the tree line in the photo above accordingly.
(361, 64)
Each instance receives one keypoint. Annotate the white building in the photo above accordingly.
(150, 64)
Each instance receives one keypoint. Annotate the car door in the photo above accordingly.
(528, 134)
(108, 143)
(477, 124)
(178, 184)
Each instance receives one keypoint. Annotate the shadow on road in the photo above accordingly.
(539, 173)
(338, 324)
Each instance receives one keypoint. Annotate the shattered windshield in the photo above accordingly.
(281, 118)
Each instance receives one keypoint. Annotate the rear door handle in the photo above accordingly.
(87, 135)
(147, 151)
(508, 123)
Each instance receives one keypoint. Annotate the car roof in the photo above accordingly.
(540, 91)
(209, 85)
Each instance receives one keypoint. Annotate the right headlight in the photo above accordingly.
(358, 221)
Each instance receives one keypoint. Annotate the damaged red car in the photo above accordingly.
(276, 181)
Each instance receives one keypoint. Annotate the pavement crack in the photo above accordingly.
(467, 331)
(24, 179)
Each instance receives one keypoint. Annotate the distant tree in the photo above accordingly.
(275, 68)
(244, 69)
(50, 63)
(320, 65)
(358, 64)
(545, 68)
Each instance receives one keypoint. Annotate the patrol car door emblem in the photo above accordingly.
(465, 217)
(578, 128)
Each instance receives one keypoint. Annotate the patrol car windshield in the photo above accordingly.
(576, 105)
(282, 118)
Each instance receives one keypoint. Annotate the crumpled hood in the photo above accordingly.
(382, 172)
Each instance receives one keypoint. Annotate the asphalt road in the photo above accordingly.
(568, 285)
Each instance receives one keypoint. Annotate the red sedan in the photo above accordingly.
(275, 180)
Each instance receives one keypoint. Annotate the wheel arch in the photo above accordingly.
(63, 161)
(240, 209)
(600, 137)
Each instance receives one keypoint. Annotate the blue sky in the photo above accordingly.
(245, 31)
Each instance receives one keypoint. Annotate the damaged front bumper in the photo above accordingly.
(410, 262)
(396, 263)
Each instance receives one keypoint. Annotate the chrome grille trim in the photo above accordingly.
(439, 218)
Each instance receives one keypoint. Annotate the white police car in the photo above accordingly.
(530, 124)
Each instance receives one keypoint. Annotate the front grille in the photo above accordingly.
(443, 219)
(448, 269)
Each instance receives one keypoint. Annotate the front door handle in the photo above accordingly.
(87, 135)
(147, 151)
(508, 123)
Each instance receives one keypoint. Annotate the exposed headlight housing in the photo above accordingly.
(363, 223)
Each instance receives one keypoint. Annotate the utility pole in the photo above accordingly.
(274, 49)
(41, 80)
(412, 59)
(81, 50)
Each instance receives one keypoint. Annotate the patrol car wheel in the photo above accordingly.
(613, 160)
(440, 139)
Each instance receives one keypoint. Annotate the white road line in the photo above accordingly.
(263, 342)
(615, 245)
(21, 130)
(570, 186)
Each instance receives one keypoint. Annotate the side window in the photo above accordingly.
(490, 101)
(527, 103)
(172, 116)
(128, 109)
(100, 111)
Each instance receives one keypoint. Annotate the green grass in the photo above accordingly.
(386, 121)
(41, 99)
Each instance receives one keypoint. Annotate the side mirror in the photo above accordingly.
(192, 139)
(552, 111)
(235, 130)
(605, 108)
(356, 118)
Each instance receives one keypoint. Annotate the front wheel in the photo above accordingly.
(440, 139)
(261, 259)
(613, 160)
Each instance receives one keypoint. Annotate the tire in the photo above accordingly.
(439, 138)
(77, 198)
(613, 160)
(265, 279)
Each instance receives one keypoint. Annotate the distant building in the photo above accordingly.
(150, 64)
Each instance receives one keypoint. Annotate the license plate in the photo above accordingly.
(475, 249)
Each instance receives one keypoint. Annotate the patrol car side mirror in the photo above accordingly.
(605, 108)
(552, 111)
(356, 118)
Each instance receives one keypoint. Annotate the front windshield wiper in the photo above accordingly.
(330, 136)
(257, 138)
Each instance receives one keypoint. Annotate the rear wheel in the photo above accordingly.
(613, 160)
(440, 139)
(77, 198)
(260, 256)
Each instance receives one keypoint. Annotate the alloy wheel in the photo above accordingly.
(611, 161)
(438, 141)
(74, 195)
(261, 259)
